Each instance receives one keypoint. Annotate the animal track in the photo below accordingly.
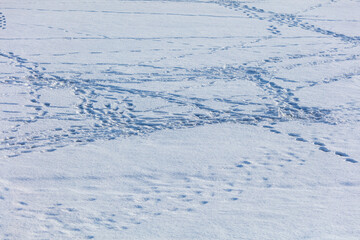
(2, 21)
(322, 147)
(290, 20)
(122, 117)
(144, 84)
(274, 30)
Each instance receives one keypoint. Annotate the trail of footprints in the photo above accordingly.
(2, 21)
(290, 20)
(321, 146)
(117, 115)
(274, 30)
(156, 195)
(119, 118)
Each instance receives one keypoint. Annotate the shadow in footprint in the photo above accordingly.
(324, 149)
(341, 154)
(351, 160)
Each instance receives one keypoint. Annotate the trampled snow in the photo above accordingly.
(179, 119)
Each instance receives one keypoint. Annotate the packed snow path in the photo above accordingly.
(74, 73)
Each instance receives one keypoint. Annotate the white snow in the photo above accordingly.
(179, 119)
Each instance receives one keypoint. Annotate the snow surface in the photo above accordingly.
(186, 119)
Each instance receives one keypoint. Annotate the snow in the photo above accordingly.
(179, 119)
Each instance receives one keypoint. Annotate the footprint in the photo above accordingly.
(294, 135)
(319, 144)
(275, 131)
(301, 139)
(341, 154)
(23, 203)
(324, 149)
(351, 160)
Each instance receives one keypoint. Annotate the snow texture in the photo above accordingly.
(179, 119)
